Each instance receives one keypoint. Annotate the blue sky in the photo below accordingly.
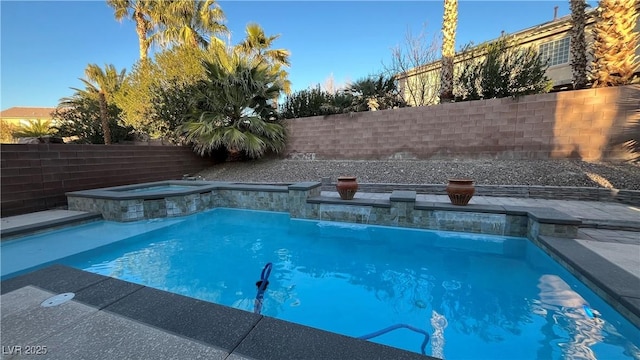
(46, 45)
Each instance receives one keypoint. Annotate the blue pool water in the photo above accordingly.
(477, 296)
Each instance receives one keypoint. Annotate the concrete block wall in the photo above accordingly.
(35, 177)
(574, 124)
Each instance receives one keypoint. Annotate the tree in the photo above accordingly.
(101, 85)
(234, 108)
(329, 85)
(35, 128)
(449, 25)
(257, 44)
(578, 43)
(144, 13)
(629, 138)
(615, 43)
(152, 97)
(375, 93)
(6, 132)
(191, 22)
(408, 65)
(170, 22)
(78, 118)
(170, 108)
(313, 102)
(501, 69)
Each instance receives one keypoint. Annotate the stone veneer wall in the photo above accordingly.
(36, 176)
(403, 210)
(268, 198)
(303, 201)
(582, 124)
(252, 200)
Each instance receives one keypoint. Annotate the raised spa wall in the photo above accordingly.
(303, 201)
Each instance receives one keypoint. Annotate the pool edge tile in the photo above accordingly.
(611, 282)
(223, 327)
(274, 339)
(210, 323)
(10, 233)
(55, 278)
(107, 292)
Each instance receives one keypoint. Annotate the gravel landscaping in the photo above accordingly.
(574, 173)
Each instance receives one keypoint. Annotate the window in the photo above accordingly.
(556, 51)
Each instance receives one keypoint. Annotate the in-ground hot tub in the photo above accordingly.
(184, 197)
(144, 201)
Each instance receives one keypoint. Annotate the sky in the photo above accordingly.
(46, 45)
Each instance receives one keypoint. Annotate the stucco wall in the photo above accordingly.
(574, 124)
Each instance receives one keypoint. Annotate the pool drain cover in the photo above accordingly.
(58, 299)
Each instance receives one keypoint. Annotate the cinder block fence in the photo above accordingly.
(584, 124)
(35, 177)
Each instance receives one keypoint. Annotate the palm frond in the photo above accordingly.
(234, 104)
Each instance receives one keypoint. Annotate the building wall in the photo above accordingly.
(22, 121)
(559, 74)
(36, 176)
(573, 124)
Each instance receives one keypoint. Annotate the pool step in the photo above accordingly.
(43, 220)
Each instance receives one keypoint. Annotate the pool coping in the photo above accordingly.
(12, 232)
(542, 215)
(304, 200)
(199, 187)
(231, 330)
(612, 283)
(623, 196)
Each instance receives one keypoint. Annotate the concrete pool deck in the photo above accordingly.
(114, 319)
(141, 322)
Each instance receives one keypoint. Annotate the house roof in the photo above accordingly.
(27, 112)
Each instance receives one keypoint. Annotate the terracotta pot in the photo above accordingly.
(460, 191)
(347, 187)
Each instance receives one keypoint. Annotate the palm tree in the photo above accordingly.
(258, 45)
(144, 13)
(234, 108)
(169, 22)
(101, 85)
(449, 25)
(615, 43)
(375, 93)
(190, 22)
(35, 128)
(578, 43)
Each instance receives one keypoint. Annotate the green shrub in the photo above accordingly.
(81, 122)
(311, 102)
(501, 69)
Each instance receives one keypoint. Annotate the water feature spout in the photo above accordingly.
(357, 214)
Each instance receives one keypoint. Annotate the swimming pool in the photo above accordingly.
(474, 294)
